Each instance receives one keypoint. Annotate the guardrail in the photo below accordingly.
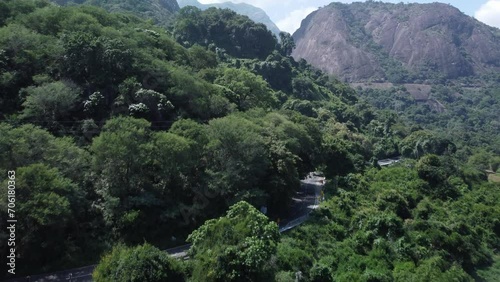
(294, 223)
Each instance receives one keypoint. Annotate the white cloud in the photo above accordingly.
(292, 21)
(489, 13)
(277, 9)
(257, 3)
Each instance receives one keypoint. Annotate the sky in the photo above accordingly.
(287, 14)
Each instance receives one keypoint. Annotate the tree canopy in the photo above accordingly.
(230, 32)
(235, 247)
(142, 263)
(124, 132)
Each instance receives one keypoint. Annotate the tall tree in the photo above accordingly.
(235, 247)
(50, 103)
(142, 263)
(236, 34)
(46, 205)
(120, 155)
(246, 89)
(287, 44)
(237, 159)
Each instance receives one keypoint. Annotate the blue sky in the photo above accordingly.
(288, 14)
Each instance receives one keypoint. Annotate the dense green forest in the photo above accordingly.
(468, 116)
(126, 138)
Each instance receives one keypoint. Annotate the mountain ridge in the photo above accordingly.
(374, 41)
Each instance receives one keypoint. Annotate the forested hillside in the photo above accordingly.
(256, 14)
(467, 116)
(122, 133)
(424, 220)
(160, 11)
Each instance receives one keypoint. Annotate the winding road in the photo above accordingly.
(305, 201)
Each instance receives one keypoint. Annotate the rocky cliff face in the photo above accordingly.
(397, 42)
(255, 14)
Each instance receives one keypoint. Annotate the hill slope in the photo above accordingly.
(161, 11)
(397, 42)
(256, 14)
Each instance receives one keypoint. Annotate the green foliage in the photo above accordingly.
(484, 160)
(233, 117)
(191, 130)
(287, 44)
(257, 158)
(118, 156)
(304, 88)
(138, 175)
(155, 103)
(24, 54)
(343, 149)
(291, 257)
(235, 34)
(321, 273)
(490, 273)
(50, 103)
(420, 143)
(237, 156)
(142, 263)
(27, 145)
(161, 12)
(302, 106)
(100, 59)
(236, 247)
(386, 230)
(245, 89)
(429, 168)
(89, 47)
(284, 276)
(46, 205)
(202, 58)
(466, 116)
(432, 269)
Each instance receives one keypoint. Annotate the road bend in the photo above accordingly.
(304, 202)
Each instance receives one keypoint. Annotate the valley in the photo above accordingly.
(140, 126)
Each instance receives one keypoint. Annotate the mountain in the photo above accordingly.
(256, 14)
(161, 11)
(375, 41)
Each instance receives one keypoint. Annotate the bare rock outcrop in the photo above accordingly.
(397, 42)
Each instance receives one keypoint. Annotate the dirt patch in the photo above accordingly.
(494, 178)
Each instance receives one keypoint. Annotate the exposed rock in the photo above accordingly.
(397, 42)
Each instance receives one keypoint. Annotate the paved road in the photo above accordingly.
(306, 200)
(84, 274)
(387, 162)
